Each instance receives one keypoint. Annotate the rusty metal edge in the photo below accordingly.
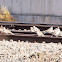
(31, 38)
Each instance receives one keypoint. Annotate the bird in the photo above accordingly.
(50, 30)
(35, 28)
(37, 31)
(56, 32)
(1, 28)
(5, 31)
(32, 29)
(60, 34)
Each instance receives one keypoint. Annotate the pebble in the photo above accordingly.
(13, 51)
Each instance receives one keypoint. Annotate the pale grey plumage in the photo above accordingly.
(50, 30)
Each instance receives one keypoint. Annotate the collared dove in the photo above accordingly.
(50, 30)
(60, 34)
(4, 30)
(39, 33)
(32, 29)
(37, 30)
(56, 31)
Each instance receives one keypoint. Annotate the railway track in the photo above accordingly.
(27, 35)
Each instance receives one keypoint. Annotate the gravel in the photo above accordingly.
(13, 51)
